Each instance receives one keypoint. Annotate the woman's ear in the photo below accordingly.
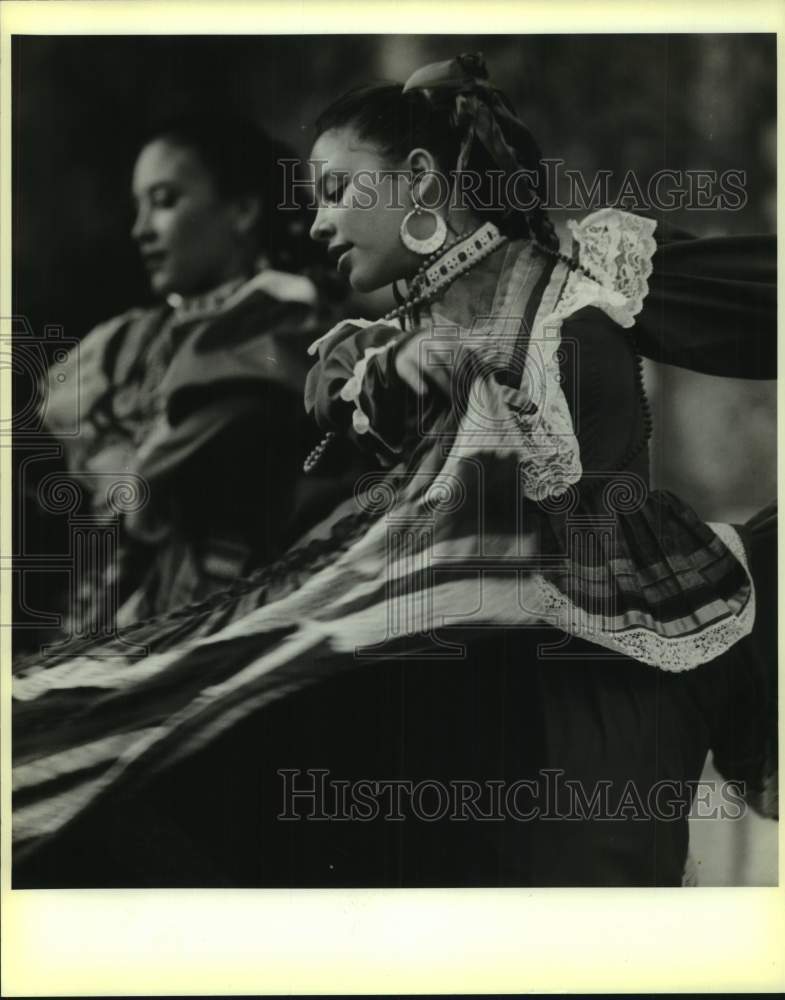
(424, 173)
(247, 212)
(420, 161)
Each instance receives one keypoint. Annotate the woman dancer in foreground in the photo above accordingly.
(503, 615)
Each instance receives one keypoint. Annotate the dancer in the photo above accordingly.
(181, 402)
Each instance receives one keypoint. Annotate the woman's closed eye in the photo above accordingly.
(333, 192)
(163, 196)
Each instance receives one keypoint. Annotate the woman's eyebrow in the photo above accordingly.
(154, 188)
(340, 176)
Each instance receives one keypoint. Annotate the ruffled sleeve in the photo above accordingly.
(354, 388)
(234, 378)
(708, 304)
(615, 251)
(257, 345)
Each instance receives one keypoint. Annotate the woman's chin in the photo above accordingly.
(160, 284)
(365, 281)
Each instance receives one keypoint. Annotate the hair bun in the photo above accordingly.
(473, 64)
(463, 70)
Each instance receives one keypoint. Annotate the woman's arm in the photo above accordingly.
(712, 306)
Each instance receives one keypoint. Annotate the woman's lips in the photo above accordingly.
(338, 254)
(154, 261)
(343, 261)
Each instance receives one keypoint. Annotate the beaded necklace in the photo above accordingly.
(440, 270)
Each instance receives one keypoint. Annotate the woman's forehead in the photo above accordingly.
(344, 147)
(163, 160)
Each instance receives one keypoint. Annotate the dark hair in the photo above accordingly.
(398, 121)
(242, 159)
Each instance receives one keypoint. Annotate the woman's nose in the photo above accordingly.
(141, 228)
(322, 229)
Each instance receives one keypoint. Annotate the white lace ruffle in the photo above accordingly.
(672, 653)
(616, 247)
(353, 387)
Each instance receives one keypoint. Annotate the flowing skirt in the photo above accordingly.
(536, 759)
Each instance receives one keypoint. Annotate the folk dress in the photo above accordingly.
(502, 599)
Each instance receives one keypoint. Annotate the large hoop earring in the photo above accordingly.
(433, 242)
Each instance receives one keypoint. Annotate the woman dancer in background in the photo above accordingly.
(504, 607)
(192, 394)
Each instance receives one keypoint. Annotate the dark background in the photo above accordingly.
(619, 102)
